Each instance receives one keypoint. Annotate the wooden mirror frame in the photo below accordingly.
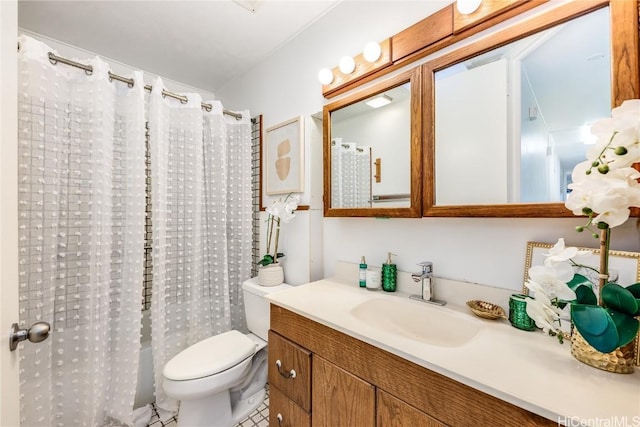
(625, 84)
(415, 208)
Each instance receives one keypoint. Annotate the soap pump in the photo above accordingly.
(389, 274)
(363, 273)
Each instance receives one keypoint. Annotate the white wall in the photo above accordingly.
(534, 141)
(484, 250)
(471, 133)
(79, 54)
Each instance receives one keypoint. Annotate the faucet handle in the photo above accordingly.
(427, 266)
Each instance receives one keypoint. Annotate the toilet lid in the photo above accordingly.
(210, 356)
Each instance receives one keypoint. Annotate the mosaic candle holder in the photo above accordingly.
(518, 313)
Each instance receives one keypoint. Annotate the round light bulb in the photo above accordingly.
(372, 52)
(325, 76)
(466, 7)
(347, 65)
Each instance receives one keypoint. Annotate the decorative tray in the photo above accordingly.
(486, 310)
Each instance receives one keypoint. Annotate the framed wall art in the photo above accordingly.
(624, 267)
(284, 157)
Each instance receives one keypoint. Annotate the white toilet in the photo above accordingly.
(221, 380)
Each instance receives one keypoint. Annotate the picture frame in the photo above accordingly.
(625, 264)
(283, 156)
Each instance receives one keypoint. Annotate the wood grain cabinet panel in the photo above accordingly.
(393, 412)
(340, 398)
(346, 371)
(283, 412)
(291, 357)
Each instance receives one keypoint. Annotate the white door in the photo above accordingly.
(9, 396)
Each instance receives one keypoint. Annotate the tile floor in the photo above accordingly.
(259, 418)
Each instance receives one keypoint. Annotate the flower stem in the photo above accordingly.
(605, 237)
(607, 147)
(575, 264)
(275, 252)
(269, 233)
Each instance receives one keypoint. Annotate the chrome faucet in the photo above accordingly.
(426, 279)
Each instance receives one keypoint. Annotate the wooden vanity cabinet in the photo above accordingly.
(340, 398)
(290, 383)
(353, 383)
(393, 412)
(284, 412)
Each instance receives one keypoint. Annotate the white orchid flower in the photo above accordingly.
(622, 118)
(605, 146)
(287, 216)
(273, 210)
(608, 195)
(544, 313)
(552, 281)
(622, 129)
(560, 253)
(610, 192)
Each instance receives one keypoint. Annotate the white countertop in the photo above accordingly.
(527, 369)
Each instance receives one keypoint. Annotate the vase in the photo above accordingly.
(270, 275)
(620, 361)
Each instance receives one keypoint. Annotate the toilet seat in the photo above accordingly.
(210, 356)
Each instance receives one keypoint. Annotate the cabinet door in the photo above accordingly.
(283, 412)
(339, 398)
(290, 369)
(394, 412)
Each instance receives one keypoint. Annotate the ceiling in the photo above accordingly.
(205, 44)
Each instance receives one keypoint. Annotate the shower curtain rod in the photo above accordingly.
(88, 69)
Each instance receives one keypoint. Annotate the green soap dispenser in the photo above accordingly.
(389, 274)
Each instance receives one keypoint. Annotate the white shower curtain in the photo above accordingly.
(201, 224)
(350, 175)
(81, 223)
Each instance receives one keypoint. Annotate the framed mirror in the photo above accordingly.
(508, 116)
(373, 151)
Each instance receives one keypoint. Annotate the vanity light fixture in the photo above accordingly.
(379, 101)
(467, 7)
(374, 57)
(325, 76)
(372, 52)
(347, 65)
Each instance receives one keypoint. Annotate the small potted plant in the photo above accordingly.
(280, 211)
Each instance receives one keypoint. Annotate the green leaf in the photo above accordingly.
(579, 280)
(619, 299)
(591, 319)
(596, 326)
(626, 325)
(634, 289)
(583, 289)
(266, 260)
(585, 295)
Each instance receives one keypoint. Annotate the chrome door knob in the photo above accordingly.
(38, 332)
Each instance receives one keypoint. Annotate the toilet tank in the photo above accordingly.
(256, 307)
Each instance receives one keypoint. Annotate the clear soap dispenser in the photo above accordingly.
(389, 274)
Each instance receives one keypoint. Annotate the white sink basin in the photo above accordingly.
(417, 321)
